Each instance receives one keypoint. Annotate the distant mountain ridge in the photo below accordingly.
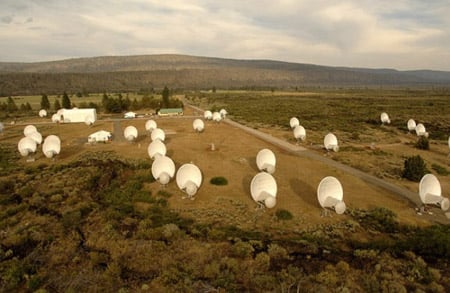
(127, 73)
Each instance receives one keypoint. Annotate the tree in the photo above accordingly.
(66, 101)
(11, 105)
(57, 105)
(45, 103)
(165, 97)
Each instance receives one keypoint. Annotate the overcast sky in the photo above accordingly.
(401, 34)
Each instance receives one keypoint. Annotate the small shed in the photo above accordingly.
(100, 136)
(170, 112)
(129, 115)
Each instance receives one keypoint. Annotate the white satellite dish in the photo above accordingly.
(26, 146)
(36, 136)
(263, 188)
(1, 127)
(216, 117)
(156, 148)
(163, 169)
(42, 113)
(158, 134)
(29, 129)
(448, 138)
(299, 133)
(189, 179)
(266, 161)
(208, 115)
(198, 125)
(420, 130)
(294, 122)
(411, 125)
(150, 125)
(51, 146)
(330, 142)
(430, 192)
(384, 117)
(130, 133)
(89, 120)
(56, 118)
(330, 194)
(223, 113)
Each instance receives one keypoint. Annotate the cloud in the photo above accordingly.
(6, 19)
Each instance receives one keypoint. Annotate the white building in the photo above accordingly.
(75, 115)
(130, 115)
(100, 136)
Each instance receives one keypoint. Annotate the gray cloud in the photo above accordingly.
(6, 19)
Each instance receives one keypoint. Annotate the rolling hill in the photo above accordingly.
(132, 73)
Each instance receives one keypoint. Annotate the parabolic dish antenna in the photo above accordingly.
(2, 126)
(150, 125)
(266, 161)
(420, 130)
(56, 118)
(130, 133)
(26, 146)
(263, 188)
(208, 115)
(299, 132)
(217, 117)
(411, 125)
(158, 134)
(330, 194)
(42, 113)
(29, 129)
(294, 122)
(156, 148)
(223, 113)
(89, 120)
(189, 179)
(163, 169)
(198, 125)
(384, 117)
(330, 142)
(36, 136)
(430, 192)
(51, 146)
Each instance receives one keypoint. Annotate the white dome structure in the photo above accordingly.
(384, 117)
(330, 194)
(130, 133)
(430, 192)
(330, 142)
(198, 125)
(29, 129)
(411, 124)
(266, 161)
(158, 134)
(26, 146)
(189, 179)
(263, 188)
(217, 117)
(89, 120)
(294, 122)
(156, 148)
(42, 113)
(299, 133)
(208, 115)
(36, 136)
(150, 125)
(420, 130)
(223, 113)
(163, 169)
(56, 118)
(51, 146)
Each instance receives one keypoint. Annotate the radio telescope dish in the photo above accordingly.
(430, 192)
(36, 136)
(189, 179)
(130, 133)
(26, 146)
(263, 188)
(42, 113)
(1, 127)
(411, 125)
(29, 129)
(163, 169)
(158, 134)
(420, 130)
(56, 118)
(156, 148)
(150, 125)
(330, 194)
(223, 113)
(51, 146)
(294, 122)
(266, 161)
(198, 125)
(208, 115)
(217, 117)
(448, 137)
(89, 120)
(330, 142)
(384, 117)
(299, 133)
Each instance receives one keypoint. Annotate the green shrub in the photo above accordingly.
(414, 168)
(283, 214)
(219, 181)
(440, 170)
(423, 143)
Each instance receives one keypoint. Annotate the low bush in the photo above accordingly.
(422, 143)
(414, 168)
(283, 214)
(218, 181)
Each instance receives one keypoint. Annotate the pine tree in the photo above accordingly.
(66, 101)
(57, 105)
(45, 103)
(11, 105)
(165, 97)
